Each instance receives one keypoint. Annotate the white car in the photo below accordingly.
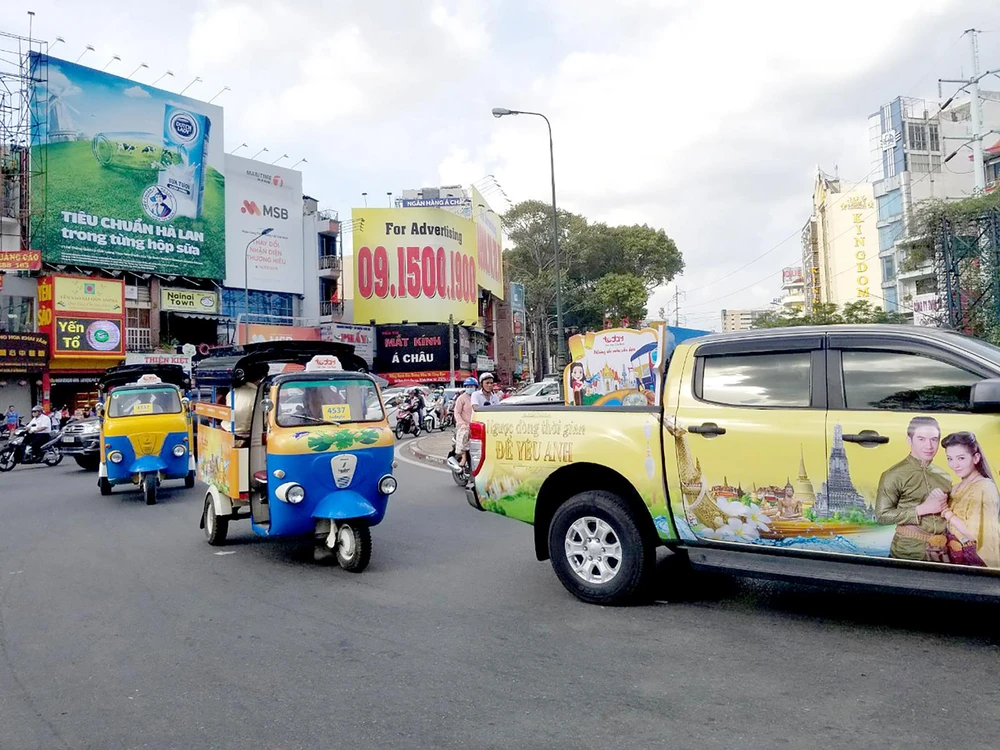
(547, 391)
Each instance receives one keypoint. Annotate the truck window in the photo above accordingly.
(779, 379)
(906, 382)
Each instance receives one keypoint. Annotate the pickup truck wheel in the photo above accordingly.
(88, 463)
(597, 549)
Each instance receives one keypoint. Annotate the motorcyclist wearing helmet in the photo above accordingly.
(487, 396)
(417, 405)
(463, 423)
(39, 430)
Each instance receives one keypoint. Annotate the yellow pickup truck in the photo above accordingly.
(857, 455)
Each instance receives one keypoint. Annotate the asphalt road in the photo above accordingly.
(121, 628)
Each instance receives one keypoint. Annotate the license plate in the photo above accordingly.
(69, 440)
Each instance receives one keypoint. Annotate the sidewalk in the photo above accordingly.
(432, 449)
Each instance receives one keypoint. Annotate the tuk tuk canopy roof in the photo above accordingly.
(129, 374)
(238, 365)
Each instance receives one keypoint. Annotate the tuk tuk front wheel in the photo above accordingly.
(105, 485)
(354, 546)
(189, 480)
(215, 528)
(148, 487)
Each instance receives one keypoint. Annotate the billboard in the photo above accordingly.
(413, 353)
(414, 264)
(489, 245)
(260, 196)
(449, 201)
(83, 316)
(260, 332)
(21, 260)
(189, 300)
(791, 275)
(133, 174)
(517, 296)
(23, 352)
(362, 338)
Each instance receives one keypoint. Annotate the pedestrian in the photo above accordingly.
(12, 419)
(487, 394)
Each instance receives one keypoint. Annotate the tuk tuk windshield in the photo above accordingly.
(133, 402)
(333, 401)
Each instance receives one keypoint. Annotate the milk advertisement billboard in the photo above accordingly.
(260, 196)
(133, 175)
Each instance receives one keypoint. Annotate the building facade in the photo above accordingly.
(919, 154)
(740, 320)
(793, 289)
(839, 242)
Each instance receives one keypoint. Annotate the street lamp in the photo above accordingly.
(221, 92)
(168, 73)
(300, 161)
(242, 145)
(283, 156)
(246, 283)
(262, 151)
(561, 343)
(197, 79)
(141, 66)
(113, 59)
(88, 48)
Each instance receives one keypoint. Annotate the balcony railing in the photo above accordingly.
(331, 263)
(328, 308)
(329, 214)
(138, 340)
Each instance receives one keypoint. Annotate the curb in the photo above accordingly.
(413, 447)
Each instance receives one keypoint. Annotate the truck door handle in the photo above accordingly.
(866, 438)
(709, 429)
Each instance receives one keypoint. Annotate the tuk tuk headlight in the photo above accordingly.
(179, 450)
(387, 484)
(291, 493)
(115, 457)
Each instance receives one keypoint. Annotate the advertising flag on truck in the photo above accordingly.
(133, 174)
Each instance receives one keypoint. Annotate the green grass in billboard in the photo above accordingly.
(75, 180)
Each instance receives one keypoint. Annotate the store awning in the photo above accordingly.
(197, 316)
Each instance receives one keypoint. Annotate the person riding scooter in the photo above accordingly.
(463, 423)
(39, 432)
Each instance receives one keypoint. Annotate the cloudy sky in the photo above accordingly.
(707, 118)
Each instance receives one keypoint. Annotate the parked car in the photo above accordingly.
(546, 391)
(81, 439)
(881, 434)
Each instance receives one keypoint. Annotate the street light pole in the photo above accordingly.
(246, 284)
(560, 332)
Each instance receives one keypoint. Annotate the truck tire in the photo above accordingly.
(597, 549)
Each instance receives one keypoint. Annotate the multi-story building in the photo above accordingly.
(839, 244)
(919, 154)
(793, 289)
(740, 320)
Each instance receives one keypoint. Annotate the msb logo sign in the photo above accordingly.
(275, 212)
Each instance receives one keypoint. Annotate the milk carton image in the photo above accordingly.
(186, 134)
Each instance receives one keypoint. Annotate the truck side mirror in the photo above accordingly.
(986, 396)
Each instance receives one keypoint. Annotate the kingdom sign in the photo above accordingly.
(860, 250)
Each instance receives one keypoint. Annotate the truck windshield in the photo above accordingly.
(332, 401)
(137, 402)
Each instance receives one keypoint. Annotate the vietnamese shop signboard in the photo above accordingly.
(134, 174)
(23, 352)
(83, 316)
(420, 352)
(189, 300)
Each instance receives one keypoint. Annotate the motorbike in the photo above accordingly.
(48, 454)
(445, 413)
(406, 421)
(461, 475)
(432, 418)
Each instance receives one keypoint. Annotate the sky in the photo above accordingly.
(706, 118)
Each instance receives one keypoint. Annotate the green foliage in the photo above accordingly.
(859, 312)
(810, 514)
(636, 257)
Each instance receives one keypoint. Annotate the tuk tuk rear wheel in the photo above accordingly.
(216, 528)
(354, 546)
(148, 487)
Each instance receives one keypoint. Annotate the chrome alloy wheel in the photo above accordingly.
(593, 550)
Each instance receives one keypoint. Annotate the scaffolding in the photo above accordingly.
(23, 73)
(967, 266)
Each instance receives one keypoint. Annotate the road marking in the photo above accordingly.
(225, 553)
(421, 464)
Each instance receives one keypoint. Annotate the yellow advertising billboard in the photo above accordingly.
(489, 245)
(414, 264)
(88, 295)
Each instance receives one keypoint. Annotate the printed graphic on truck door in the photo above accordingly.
(749, 443)
(912, 458)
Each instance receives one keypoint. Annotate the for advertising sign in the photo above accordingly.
(23, 352)
(489, 244)
(189, 300)
(411, 349)
(134, 175)
(260, 196)
(413, 264)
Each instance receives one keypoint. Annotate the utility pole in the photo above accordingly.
(677, 306)
(451, 351)
(977, 114)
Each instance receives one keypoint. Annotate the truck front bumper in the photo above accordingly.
(471, 496)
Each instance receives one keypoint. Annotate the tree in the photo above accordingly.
(622, 297)
(827, 314)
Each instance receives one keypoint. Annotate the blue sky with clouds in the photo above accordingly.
(707, 118)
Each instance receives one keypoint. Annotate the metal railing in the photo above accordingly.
(329, 214)
(328, 307)
(331, 262)
(138, 340)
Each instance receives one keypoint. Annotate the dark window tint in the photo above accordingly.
(758, 379)
(906, 382)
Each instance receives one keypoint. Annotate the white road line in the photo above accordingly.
(225, 553)
(421, 464)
